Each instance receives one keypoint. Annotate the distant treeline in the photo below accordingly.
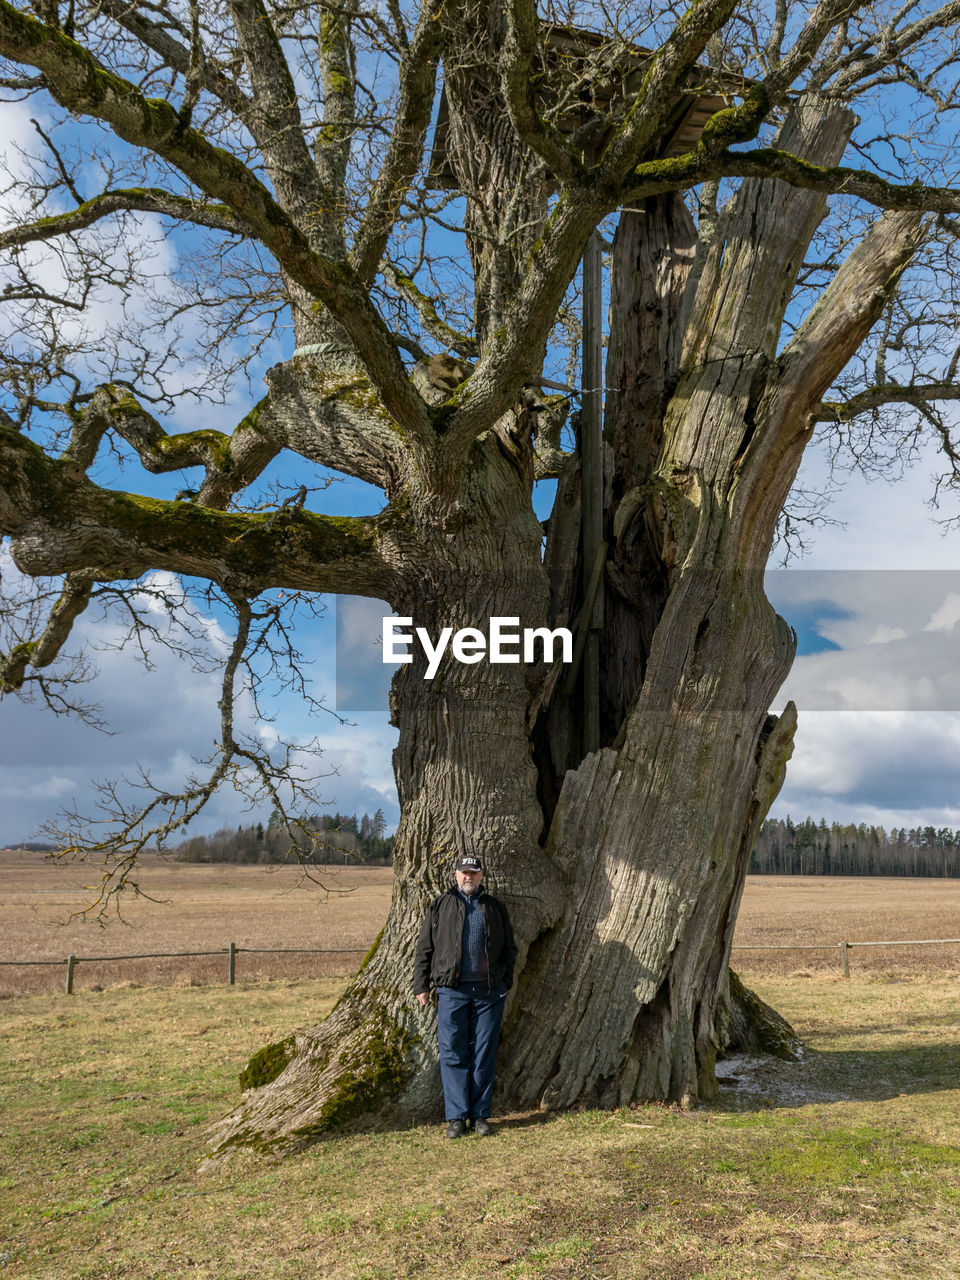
(809, 848)
(327, 839)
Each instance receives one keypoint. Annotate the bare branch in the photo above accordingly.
(663, 83)
(230, 462)
(770, 163)
(61, 167)
(136, 200)
(274, 118)
(129, 828)
(181, 58)
(519, 81)
(331, 150)
(849, 307)
(426, 308)
(41, 653)
(892, 46)
(84, 86)
(919, 396)
(418, 75)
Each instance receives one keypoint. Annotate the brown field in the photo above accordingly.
(810, 910)
(186, 907)
(195, 907)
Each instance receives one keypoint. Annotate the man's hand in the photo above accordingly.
(423, 997)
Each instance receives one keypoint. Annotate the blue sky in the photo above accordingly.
(875, 602)
(877, 681)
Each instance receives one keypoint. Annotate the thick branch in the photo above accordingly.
(61, 523)
(765, 162)
(230, 462)
(519, 81)
(329, 412)
(430, 317)
(663, 85)
(135, 200)
(175, 55)
(837, 325)
(418, 77)
(917, 394)
(331, 151)
(81, 84)
(41, 653)
(848, 308)
(514, 360)
(274, 118)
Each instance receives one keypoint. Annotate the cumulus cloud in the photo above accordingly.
(892, 768)
(947, 616)
(872, 639)
(164, 719)
(875, 607)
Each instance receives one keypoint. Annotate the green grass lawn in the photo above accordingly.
(844, 1165)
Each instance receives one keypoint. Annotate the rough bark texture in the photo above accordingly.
(623, 869)
(625, 885)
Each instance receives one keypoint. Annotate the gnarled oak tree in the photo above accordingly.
(304, 140)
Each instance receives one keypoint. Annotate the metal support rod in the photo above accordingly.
(233, 963)
(591, 473)
(586, 616)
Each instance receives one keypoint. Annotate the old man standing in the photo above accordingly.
(467, 951)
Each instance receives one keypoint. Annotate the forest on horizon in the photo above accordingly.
(810, 848)
(783, 847)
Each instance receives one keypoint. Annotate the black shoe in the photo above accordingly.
(482, 1127)
(455, 1129)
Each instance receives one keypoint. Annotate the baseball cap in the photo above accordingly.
(467, 862)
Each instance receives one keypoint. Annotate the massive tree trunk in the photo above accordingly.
(623, 869)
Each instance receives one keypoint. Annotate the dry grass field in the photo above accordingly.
(844, 1164)
(186, 907)
(809, 910)
(195, 907)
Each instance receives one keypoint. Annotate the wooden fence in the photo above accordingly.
(231, 951)
(846, 947)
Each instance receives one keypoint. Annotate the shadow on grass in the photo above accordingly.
(838, 1075)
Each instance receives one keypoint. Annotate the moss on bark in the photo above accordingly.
(266, 1064)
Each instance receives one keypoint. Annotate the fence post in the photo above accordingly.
(845, 959)
(233, 963)
(71, 965)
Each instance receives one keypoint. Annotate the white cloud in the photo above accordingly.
(165, 720)
(893, 768)
(919, 672)
(947, 616)
(884, 633)
(892, 756)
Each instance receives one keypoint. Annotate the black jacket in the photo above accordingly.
(441, 939)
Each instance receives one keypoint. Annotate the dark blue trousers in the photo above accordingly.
(468, 1033)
